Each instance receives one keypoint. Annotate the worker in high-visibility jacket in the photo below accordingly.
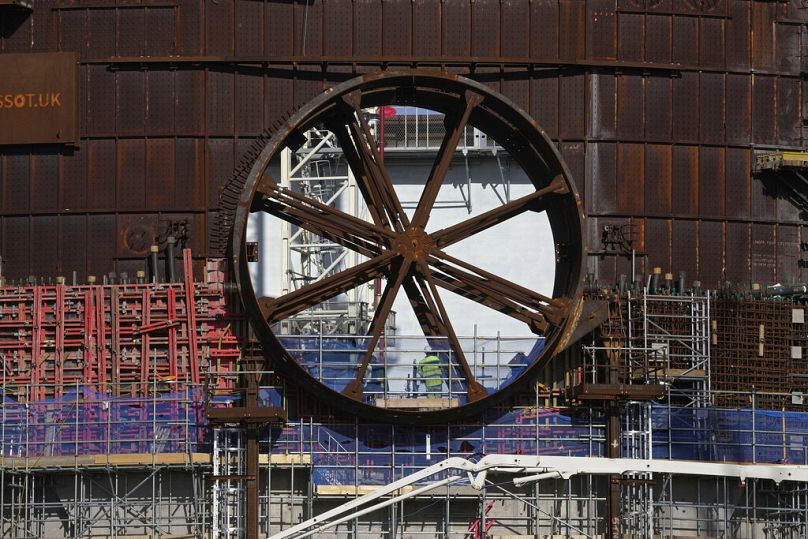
(431, 373)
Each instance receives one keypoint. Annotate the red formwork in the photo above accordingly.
(123, 338)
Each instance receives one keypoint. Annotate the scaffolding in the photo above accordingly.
(318, 171)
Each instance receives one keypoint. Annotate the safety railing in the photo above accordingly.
(86, 421)
(409, 367)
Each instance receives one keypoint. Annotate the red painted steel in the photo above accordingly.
(123, 337)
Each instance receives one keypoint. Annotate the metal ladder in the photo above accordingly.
(229, 456)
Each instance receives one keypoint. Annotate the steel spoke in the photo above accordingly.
(443, 160)
(416, 290)
(354, 388)
(535, 201)
(324, 220)
(475, 390)
(537, 323)
(492, 289)
(276, 309)
(372, 159)
(372, 198)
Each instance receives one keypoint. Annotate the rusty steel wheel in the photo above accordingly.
(398, 247)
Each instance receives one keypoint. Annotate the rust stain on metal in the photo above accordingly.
(39, 98)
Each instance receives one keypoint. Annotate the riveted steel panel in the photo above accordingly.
(737, 260)
(601, 178)
(711, 181)
(764, 119)
(658, 243)
(190, 24)
(572, 116)
(309, 27)
(280, 29)
(397, 23)
(685, 36)
(658, 170)
(73, 188)
(763, 16)
(763, 201)
(338, 27)
(738, 181)
(45, 243)
(685, 180)
(711, 42)
(73, 31)
(456, 35)
(789, 98)
(16, 246)
(686, 107)
(101, 244)
(788, 210)
(630, 107)
(739, 42)
(544, 28)
(249, 32)
(191, 174)
(160, 178)
(787, 52)
(658, 41)
(189, 112)
(102, 35)
(131, 102)
(485, 27)
(160, 31)
(101, 86)
(517, 89)
(220, 164)
(711, 253)
(131, 32)
(544, 103)
(515, 40)
(631, 178)
(220, 94)
(160, 102)
(711, 107)
(101, 174)
(426, 28)
(658, 108)
(131, 174)
(684, 249)
(764, 247)
(788, 252)
(574, 154)
(249, 105)
(601, 29)
(603, 108)
(73, 246)
(45, 182)
(739, 104)
(631, 32)
(219, 24)
(572, 27)
(17, 185)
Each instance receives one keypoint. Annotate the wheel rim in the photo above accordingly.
(399, 248)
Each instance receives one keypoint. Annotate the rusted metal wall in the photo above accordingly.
(657, 105)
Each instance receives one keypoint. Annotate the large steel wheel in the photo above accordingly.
(398, 248)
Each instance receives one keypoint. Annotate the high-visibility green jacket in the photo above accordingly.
(431, 371)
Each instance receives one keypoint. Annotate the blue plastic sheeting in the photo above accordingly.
(87, 422)
(377, 454)
(335, 366)
(731, 435)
